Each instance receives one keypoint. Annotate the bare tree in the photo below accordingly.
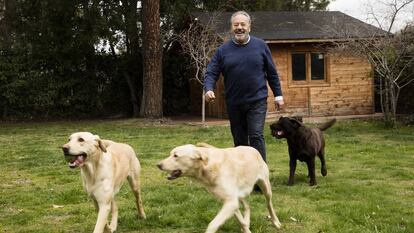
(391, 55)
(199, 42)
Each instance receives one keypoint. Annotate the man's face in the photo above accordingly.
(240, 26)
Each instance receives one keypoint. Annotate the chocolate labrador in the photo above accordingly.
(304, 144)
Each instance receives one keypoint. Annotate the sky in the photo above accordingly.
(360, 9)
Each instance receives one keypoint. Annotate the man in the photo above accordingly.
(246, 63)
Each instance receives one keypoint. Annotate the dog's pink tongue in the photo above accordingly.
(78, 161)
(279, 133)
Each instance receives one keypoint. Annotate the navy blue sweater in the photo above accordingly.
(245, 69)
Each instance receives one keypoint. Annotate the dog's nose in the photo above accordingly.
(159, 166)
(65, 149)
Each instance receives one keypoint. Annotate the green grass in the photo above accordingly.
(369, 187)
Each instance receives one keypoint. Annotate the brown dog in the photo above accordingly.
(229, 174)
(304, 144)
(104, 166)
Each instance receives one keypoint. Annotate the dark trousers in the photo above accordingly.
(247, 123)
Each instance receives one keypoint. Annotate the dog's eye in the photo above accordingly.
(175, 155)
(81, 140)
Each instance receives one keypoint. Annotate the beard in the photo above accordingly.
(241, 36)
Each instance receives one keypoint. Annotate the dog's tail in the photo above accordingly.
(327, 125)
(203, 144)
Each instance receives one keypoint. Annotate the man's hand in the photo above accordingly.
(279, 105)
(210, 96)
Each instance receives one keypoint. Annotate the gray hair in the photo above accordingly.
(240, 13)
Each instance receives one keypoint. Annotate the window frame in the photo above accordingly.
(308, 82)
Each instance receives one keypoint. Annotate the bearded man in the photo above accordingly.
(246, 64)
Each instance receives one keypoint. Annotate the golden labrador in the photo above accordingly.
(229, 174)
(104, 166)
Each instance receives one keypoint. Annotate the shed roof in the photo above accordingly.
(288, 26)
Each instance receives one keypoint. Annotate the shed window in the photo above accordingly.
(299, 67)
(317, 66)
(308, 67)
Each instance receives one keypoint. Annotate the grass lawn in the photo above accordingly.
(369, 187)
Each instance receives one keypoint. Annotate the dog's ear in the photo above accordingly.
(299, 118)
(295, 122)
(201, 155)
(102, 146)
(203, 144)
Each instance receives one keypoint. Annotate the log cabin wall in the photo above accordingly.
(351, 91)
(347, 90)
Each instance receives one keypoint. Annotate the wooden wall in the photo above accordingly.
(214, 109)
(349, 90)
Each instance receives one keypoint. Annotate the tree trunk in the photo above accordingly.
(134, 97)
(203, 109)
(389, 117)
(131, 27)
(131, 72)
(152, 57)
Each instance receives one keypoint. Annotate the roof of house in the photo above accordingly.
(288, 26)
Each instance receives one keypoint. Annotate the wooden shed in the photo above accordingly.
(315, 81)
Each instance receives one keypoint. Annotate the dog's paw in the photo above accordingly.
(277, 224)
(324, 172)
(142, 215)
(245, 230)
(108, 229)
